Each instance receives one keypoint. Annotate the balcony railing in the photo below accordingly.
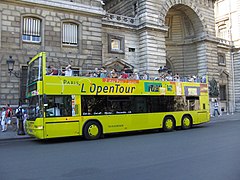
(121, 19)
(224, 41)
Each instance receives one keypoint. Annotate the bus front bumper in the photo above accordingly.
(34, 130)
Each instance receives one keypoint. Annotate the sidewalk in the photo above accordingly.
(226, 117)
(12, 135)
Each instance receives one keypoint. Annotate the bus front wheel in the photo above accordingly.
(168, 124)
(92, 130)
(186, 122)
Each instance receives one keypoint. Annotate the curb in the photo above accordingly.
(15, 138)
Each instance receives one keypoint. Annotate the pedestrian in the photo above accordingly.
(19, 114)
(9, 113)
(216, 108)
(3, 119)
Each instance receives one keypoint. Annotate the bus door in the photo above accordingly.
(59, 118)
(203, 113)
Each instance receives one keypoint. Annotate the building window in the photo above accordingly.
(31, 29)
(223, 93)
(223, 32)
(221, 59)
(116, 44)
(131, 49)
(70, 34)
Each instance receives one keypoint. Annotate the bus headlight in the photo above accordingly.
(38, 127)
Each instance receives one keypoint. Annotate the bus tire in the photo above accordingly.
(186, 122)
(168, 124)
(92, 130)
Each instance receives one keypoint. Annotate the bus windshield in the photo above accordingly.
(35, 70)
(35, 107)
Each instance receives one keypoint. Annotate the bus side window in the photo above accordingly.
(59, 106)
(193, 103)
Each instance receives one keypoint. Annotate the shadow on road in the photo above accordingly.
(114, 135)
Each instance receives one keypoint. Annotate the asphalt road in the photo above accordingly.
(207, 152)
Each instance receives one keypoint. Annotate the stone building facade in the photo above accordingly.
(227, 19)
(49, 18)
(145, 34)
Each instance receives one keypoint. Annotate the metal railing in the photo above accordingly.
(121, 19)
(134, 76)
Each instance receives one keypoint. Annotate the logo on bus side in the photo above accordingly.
(158, 87)
(93, 88)
(152, 87)
(113, 89)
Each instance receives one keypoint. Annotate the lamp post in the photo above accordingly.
(10, 64)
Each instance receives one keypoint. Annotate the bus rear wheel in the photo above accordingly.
(186, 122)
(92, 130)
(168, 124)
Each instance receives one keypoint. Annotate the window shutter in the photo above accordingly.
(31, 26)
(70, 33)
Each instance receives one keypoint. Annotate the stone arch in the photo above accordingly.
(184, 39)
(169, 4)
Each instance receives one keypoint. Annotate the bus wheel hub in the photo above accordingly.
(169, 124)
(93, 130)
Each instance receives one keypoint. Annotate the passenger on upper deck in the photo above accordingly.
(123, 75)
(113, 74)
(135, 75)
(96, 73)
(103, 72)
(68, 71)
(127, 70)
(145, 76)
(51, 70)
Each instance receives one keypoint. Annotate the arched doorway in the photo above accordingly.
(183, 40)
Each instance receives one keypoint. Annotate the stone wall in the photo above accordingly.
(88, 52)
(131, 40)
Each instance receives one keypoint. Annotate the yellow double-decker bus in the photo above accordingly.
(62, 106)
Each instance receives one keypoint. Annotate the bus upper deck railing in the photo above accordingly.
(131, 75)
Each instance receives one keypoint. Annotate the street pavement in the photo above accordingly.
(12, 134)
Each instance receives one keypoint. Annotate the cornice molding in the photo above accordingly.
(70, 6)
